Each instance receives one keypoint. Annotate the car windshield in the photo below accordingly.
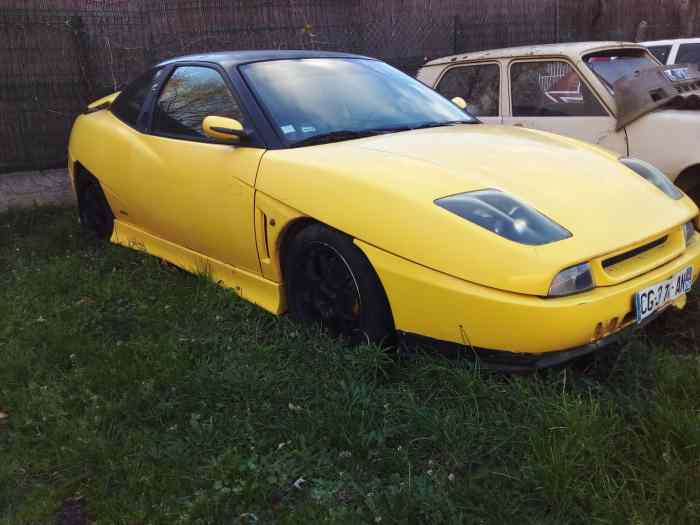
(318, 100)
(611, 66)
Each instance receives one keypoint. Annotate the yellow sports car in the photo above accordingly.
(338, 189)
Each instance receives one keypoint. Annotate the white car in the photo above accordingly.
(613, 94)
(678, 51)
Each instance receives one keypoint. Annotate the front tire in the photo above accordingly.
(689, 182)
(330, 282)
(96, 218)
(694, 194)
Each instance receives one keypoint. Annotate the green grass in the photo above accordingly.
(160, 398)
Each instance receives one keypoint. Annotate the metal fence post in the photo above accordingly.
(80, 39)
(149, 52)
(455, 26)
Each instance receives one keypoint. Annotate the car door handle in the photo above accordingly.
(519, 125)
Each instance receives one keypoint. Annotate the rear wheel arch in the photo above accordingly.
(96, 215)
(80, 176)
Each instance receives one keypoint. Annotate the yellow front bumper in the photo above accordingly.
(435, 305)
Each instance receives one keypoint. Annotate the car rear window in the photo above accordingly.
(688, 53)
(660, 52)
(611, 66)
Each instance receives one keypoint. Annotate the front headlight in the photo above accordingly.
(688, 232)
(573, 280)
(504, 215)
(653, 175)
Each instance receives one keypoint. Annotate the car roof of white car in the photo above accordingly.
(574, 49)
(672, 41)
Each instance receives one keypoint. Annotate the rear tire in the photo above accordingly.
(330, 282)
(96, 217)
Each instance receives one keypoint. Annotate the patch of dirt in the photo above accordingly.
(35, 188)
(73, 512)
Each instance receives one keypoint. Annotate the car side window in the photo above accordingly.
(660, 52)
(551, 89)
(478, 85)
(688, 53)
(191, 94)
(128, 104)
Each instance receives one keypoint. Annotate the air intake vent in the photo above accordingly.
(617, 259)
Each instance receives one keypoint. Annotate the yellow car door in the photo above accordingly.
(189, 190)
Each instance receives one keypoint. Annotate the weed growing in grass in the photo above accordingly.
(153, 396)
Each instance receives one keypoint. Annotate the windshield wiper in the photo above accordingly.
(348, 134)
(447, 123)
(335, 136)
(426, 125)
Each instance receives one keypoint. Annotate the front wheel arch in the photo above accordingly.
(287, 237)
(689, 182)
(376, 317)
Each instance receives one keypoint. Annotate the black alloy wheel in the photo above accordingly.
(330, 282)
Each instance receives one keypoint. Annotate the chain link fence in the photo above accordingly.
(54, 61)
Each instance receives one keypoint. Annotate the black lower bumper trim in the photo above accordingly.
(507, 361)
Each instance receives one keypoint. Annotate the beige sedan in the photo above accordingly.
(613, 94)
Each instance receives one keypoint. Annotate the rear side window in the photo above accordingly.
(688, 53)
(660, 52)
(551, 89)
(191, 94)
(128, 104)
(478, 85)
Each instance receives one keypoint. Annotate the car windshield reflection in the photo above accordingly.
(342, 99)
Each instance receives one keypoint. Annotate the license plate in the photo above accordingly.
(654, 298)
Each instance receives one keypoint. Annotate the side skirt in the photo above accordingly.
(253, 288)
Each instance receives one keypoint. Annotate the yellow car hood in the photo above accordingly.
(382, 190)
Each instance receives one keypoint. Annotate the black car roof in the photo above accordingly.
(233, 58)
